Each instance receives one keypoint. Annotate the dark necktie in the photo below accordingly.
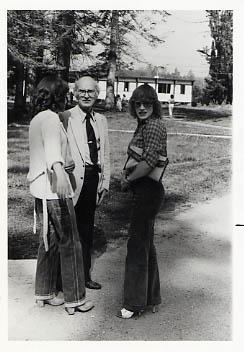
(91, 139)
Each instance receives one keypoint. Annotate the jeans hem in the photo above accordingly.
(44, 297)
(139, 308)
(75, 304)
(154, 303)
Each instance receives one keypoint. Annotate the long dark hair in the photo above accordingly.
(148, 94)
(50, 94)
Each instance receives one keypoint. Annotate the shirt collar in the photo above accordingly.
(83, 114)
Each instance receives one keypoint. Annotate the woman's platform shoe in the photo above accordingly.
(55, 301)
(128, 314)
(70, 310)
(40, 303)
(154, 308)
(85, 307)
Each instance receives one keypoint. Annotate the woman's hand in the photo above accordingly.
(142, 169)
(124, 183)
(62, 188)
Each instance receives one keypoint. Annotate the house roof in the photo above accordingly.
(131, 76)
(144, 79)
(140, 75)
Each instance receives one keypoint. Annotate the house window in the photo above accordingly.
(164, 88)
(126, 86)
(182, 89)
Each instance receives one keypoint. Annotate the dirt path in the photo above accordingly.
(194, 249)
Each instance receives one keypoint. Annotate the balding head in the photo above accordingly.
(86, 92)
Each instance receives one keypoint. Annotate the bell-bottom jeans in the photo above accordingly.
(65, 249)
(141, 284)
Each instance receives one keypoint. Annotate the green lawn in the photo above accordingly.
(199, 169)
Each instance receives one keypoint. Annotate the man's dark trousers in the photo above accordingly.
(85, 213)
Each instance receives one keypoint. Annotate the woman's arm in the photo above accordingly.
(141, 169)
(155, 138)
(51, 135)
(63, 188)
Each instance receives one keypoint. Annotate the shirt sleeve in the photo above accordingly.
(51, 134)
(155, 139)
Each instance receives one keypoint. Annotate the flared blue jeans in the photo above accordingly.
(141, 284)
(65, 249)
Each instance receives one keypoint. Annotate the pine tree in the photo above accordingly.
(25, 51)
(116, 28)
(73, 32)
(41, 42)
(220, 57)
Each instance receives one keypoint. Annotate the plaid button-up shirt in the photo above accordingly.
(151, 136)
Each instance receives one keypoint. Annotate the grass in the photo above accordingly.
(199, 169)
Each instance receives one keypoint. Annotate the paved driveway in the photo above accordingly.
(194, 254)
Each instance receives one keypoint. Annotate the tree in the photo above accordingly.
(198, 90)
(112, 58)
(40, 41)
(220, 57)
(176, 73)
(25, 50)
(73, 32)
(190, 75)
(63, 24)
(118, 31)
(44, 41)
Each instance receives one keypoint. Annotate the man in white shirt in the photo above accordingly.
(171, 104)
(88, 137)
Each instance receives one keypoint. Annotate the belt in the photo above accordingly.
(91, 168)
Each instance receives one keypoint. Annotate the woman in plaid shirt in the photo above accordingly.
(143, 171)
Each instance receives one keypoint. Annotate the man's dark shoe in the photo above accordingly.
(93, 285)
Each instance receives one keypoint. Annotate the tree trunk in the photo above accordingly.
(112, 57)
(26, 81)
(32, 72)
(19, 102)
(64, 50)
(229, 89)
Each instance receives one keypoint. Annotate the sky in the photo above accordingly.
(184, 32)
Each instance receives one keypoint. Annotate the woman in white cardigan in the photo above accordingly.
(52, 185)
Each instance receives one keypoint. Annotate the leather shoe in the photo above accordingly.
(93, 285)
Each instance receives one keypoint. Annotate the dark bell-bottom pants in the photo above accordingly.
(85, 213)
(64, 254)
(141, 284)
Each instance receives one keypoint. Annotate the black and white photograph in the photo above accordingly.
(120, 174)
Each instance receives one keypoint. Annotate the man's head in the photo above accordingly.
(86, 92)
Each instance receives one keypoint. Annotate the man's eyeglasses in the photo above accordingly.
(146, 104)
(90, 92)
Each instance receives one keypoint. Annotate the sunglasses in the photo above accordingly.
(145, 104)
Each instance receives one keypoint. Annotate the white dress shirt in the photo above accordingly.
(84, 136)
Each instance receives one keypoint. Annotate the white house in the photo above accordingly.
(180, 88)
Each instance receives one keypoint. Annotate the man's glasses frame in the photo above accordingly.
(90, 92)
